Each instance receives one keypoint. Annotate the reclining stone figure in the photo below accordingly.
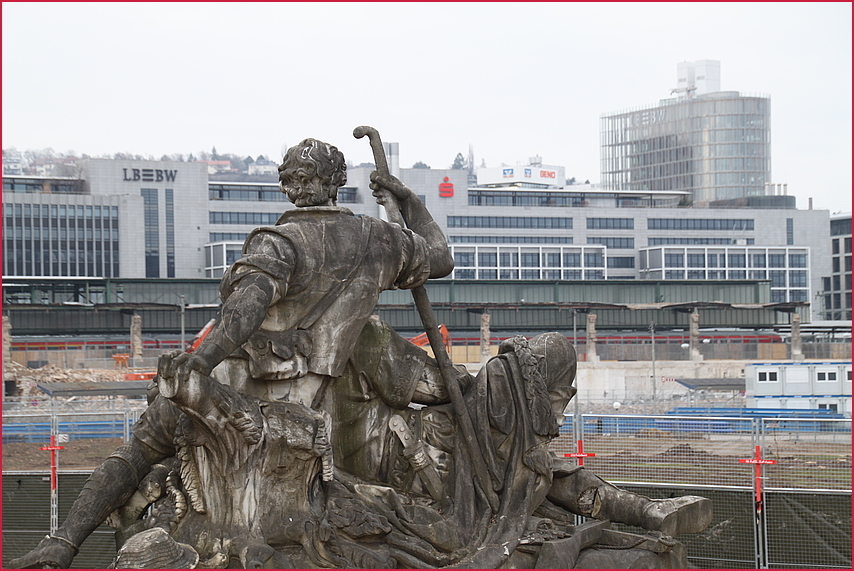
(310, 452)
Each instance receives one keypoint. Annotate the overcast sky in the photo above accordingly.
(514, 80)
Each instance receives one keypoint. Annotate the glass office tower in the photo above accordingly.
(715, 145)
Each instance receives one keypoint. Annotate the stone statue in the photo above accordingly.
(304, 433)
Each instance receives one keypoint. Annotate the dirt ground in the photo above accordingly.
(78, 455)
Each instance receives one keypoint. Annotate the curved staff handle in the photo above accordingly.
(388, 200)
(431, 327)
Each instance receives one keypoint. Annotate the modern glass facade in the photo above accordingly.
(529, 262)
(717, 146)
(836, 288)
(786, 268)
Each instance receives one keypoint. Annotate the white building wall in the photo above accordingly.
(189, 184)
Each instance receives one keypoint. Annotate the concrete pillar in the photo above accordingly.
(797, 349)
(694, 340)
(591, 338)
(136, 340)
(485, 353)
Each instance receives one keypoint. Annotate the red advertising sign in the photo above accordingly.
(446, 189)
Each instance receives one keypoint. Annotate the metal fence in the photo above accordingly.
(803, 516)
(803, 519)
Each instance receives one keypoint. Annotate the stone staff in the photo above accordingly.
(428, 318)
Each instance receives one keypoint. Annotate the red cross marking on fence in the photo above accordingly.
(580, 455)
(53, 448)
(758, 461)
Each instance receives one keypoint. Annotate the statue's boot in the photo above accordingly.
(109, 487)
(673, 516)
(582, 492)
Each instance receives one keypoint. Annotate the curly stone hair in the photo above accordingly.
(311, 173)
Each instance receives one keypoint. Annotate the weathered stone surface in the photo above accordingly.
(303, 433)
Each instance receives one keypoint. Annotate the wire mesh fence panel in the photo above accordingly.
(26, 518)
(809, 454)
(37, 428)
(808, 530)
(728, 541)
(658, 449)
(26, 428)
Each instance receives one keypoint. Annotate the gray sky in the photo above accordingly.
(512, 79)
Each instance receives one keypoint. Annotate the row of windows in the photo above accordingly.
(795, 295)
(835, 283)
(837, 266)
(610, 242)
(841, 227)
(252, 194)
(55, 258)
(838, 301)
(42, 186)
(257, 218)
(820, 376)
(511, 274)
(610, 224)
(508, 222)
(797, 278)
(53, 211)
(696, 241)
(729, 224)
(731, 260)
(72, 233)
(515, 198)
(835, 245)
(228, 236)
(510, 239)
(621, 262)
(531, 260)
(268, 193)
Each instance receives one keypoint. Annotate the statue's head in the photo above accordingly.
(558, 368)
(312, 172)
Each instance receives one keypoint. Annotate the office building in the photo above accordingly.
(161, 219)
(836, 287)
(713, 144)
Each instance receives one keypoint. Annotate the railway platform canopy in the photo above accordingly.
(91, 389)
(95, 306)
(713, 384)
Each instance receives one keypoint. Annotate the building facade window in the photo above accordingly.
(532, 262)
(228, 236)
(253, 218)
(621, 262)
(510, 239)
(508, 222)
(610, 224)
(613, 242)
(690, 241)
(766, 376)
(170, 233)
(151, 219)
(726, 224)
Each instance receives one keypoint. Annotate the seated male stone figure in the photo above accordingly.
(293, 305)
